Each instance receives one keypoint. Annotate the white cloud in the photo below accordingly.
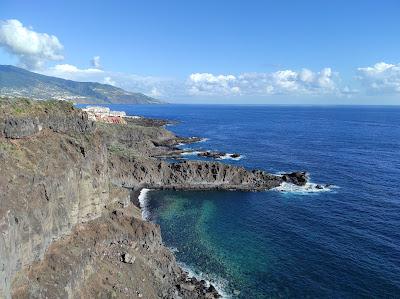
(235, 90)
(381, 77)
(109, 81)
(155, 92)
(71, 72)
(210, 78)
(306, 76)
(33, 49)
(96, 62)
(205, 83)
(279, 82)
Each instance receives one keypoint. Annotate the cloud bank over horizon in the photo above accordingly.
(287, 81)
(382, 77)
(35, 50)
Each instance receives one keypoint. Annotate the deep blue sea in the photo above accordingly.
(344, 243)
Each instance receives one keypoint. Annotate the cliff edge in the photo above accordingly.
(68, 225)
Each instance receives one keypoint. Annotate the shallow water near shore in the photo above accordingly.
(344, 243)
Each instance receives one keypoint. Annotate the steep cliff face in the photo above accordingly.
(113, 256)
(67, 226)
(49, 182)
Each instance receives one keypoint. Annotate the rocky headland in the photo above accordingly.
(70, 226)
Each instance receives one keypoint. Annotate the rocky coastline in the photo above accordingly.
(70, 222)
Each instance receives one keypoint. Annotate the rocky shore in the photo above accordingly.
(218, 155)
(69, 225)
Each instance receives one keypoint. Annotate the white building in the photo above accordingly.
(104, 114)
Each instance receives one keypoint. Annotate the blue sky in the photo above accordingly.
(283, 52)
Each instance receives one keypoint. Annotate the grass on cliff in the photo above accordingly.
(119, 149)
(24, 106)
(6, 146)
(16, 156)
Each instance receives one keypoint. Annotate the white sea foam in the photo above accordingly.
(173, 249)
(224, 157)
(229, 157)
(193, 153)
(220, 284)
(303, 190)
(185, 143)
(144, 203)
(203, 140)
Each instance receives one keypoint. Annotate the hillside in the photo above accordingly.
(17, 82)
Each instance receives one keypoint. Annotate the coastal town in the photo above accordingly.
(106, 115)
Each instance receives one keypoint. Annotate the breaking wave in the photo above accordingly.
(193, 153)
(203, 140)
(220, 284)
(144, 203)
(229, 157)
(303, 190)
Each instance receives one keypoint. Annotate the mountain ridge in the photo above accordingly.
(18, 82)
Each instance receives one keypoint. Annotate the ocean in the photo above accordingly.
(342, 243)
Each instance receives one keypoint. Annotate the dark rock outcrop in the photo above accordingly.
(217, 155)
(214, 155)
(297, 178)
(187, 175)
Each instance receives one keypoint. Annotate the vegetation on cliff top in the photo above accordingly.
(23, 106)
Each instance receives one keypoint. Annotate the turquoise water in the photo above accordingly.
(339, 244)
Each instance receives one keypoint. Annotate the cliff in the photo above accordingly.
(68, 228)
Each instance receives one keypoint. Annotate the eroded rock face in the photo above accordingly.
(19, 122)
(189, 175)
(20, 127)
(47, 185)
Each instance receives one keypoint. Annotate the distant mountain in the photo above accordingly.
(17, 82)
